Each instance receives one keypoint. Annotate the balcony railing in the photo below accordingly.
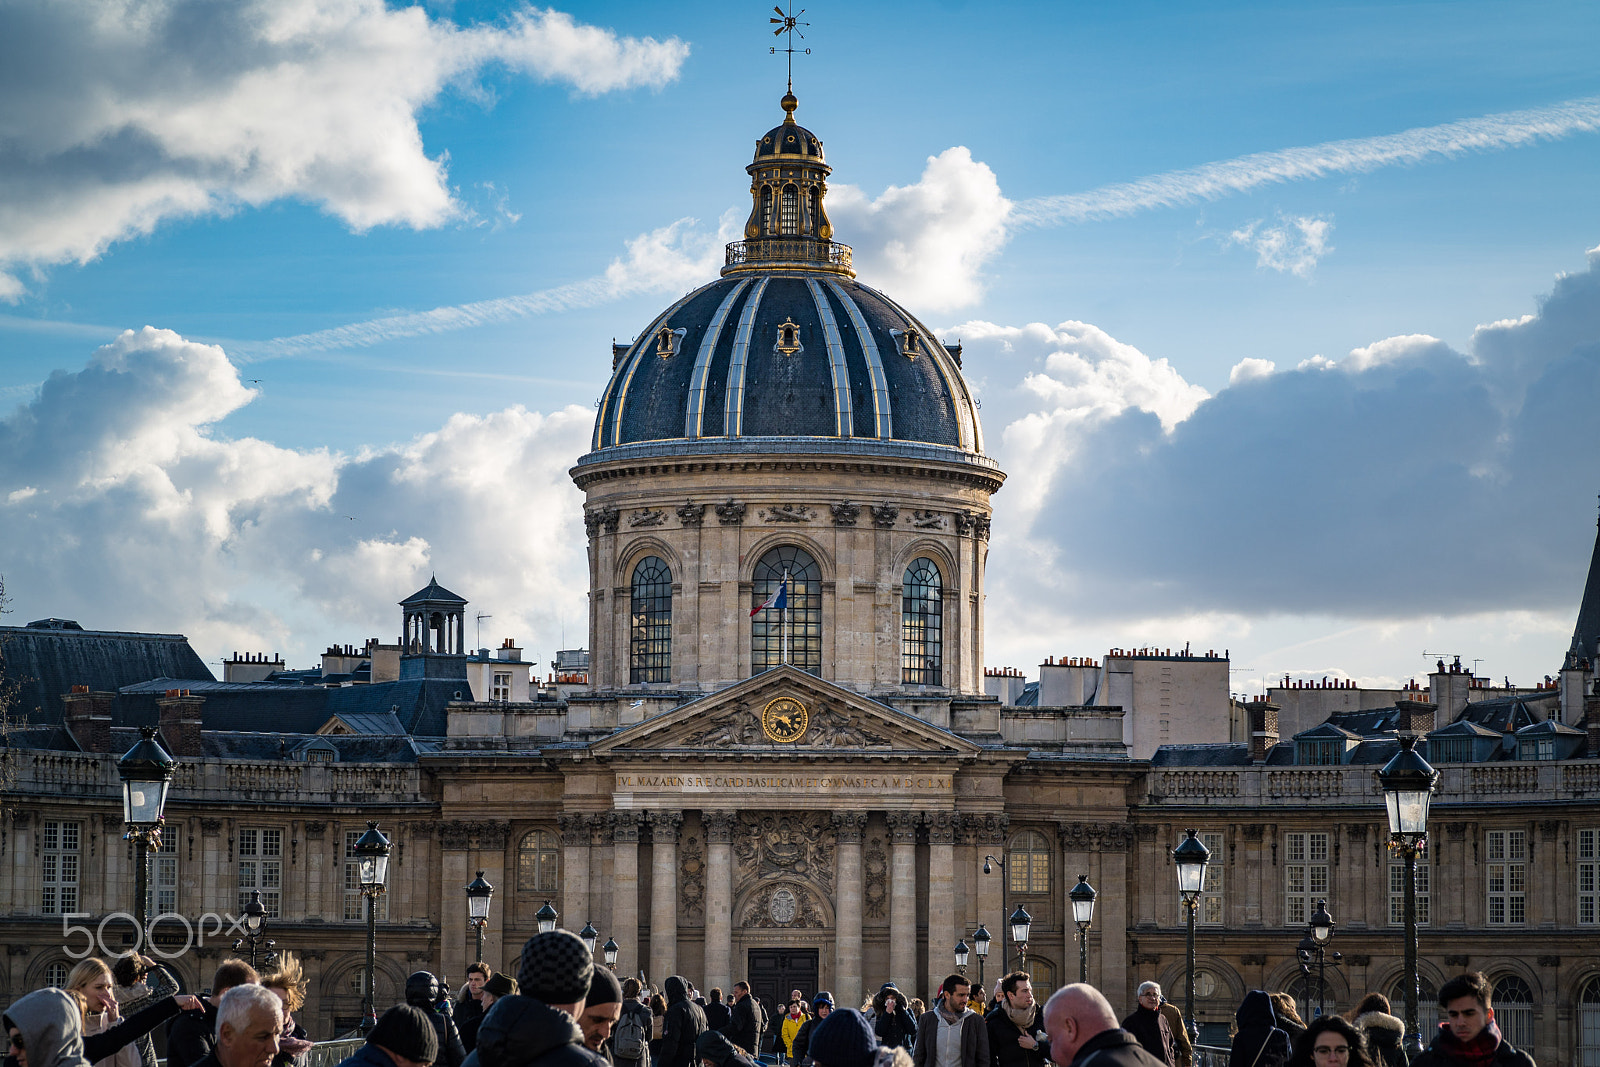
(790, 251)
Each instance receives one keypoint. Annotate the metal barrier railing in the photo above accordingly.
(1211, 1056)
(329, 1053)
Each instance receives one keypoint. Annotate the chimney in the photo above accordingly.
(1262, 722)
(1416, 716)
(180, 723)
(88, 717)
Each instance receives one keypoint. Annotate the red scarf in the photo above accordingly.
(1479, 1052)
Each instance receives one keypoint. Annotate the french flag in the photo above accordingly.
(779, 599)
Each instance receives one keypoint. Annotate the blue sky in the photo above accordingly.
(1330, 513)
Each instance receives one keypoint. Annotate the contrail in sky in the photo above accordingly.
(1512, 129)
(1489, 133)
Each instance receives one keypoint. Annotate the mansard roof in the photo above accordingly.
(47, 662)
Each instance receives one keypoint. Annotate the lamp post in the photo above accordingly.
(255, 919)
(589, 936)
(1408, 782)
(1191, 857)
(546, 918)
(479, 893)
(1321, 925)
(146, 773)
(1082, 897)
(962, 955)
(611, 949)
(1021, 923)
(980, 942)
(372, 862)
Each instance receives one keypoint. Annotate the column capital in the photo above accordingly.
(988, 828)
(850, 826)
(664, 826)
(903, 826)
(574, 829)
(1095, 836)
(719, 826)
(942, 827)
(624, 827)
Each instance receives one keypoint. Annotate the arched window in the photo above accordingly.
(650, 623)
(922, 625)
(1427, 1000)
(1589, 1024)
(1028, 863)
(56, 974)
(536, 862)
(798, 627)
(1042, 976)
(790, 219)
(1513, 1010)
(766, 210)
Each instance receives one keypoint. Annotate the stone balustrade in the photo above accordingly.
(215, 780)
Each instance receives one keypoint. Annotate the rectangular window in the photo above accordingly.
(58, 866)
(1305, 876)
(501, 690)
(160, 876)
(1589, 876)
(1507, 877)
(1210, 902)
(355, 905)
(261, 868)
(1397, 892)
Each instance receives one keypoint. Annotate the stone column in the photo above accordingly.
(1248, 883)
(663, 894)
(719, 899)
(903, 898)
(1108, 967)
(624, 883)
(942, 920)
(574, 885)
(849, 891)
(455, 842)
(991, 840)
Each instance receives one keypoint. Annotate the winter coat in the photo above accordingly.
(191, 1036)
(744, 1028)
(685, 1022)
(158, 984)
(974, 1040)
(468, 1014)
(717, 1015)
(1441, 1052)
(719, 1050)
(896, 1027)
(1181, 1048)
(1153, 1032)
(368, 1055)
(1385, 1035)
(125, 1056)
(800, 1051)
(108, 1042)
(1004, 1051)
(633, 1009)
(51, 1025)
(1259, 1041)
(523, 1031)
(790, 1030)
(1114, 1048)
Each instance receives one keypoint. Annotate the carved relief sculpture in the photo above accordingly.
(786, 513)
(648, 518)
(796, 845)
(844, 513)
(875, 872)
(730, 513)
(926, 520)
(885, 514)
(736, 726)
(691, 514)
(831, 729)
(783, 906)
(691, 882)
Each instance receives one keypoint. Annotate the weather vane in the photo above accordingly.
(789, 24)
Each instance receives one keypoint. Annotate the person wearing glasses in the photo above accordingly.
(1330, 1041)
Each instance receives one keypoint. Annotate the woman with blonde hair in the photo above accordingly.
(108, 1039)
(289, 983)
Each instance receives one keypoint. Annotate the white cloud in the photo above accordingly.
(927, 243)
(123, 115)
(137, 514)
(1292, 247)
(1251, 369)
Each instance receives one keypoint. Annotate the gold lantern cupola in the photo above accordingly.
(788, 226)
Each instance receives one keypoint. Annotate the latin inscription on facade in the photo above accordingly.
(864, 784)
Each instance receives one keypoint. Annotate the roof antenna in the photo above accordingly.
(789, 24)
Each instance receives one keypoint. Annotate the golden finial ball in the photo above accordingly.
(789, 103)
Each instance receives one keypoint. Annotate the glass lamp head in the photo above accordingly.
(963, 953)
(611, 949)
(479, 893)
(589, 936)
(1021, 923)
(372, 857)
(1408, 782)
(1082, 897)
(1321, 923)
(980, 941)
(254, 913)
(1191, 857)
(146, 773)
(546, 918)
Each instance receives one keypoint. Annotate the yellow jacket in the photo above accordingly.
(791, 1027)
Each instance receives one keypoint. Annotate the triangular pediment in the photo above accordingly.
(786, 710)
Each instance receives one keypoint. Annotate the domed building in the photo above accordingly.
(786, 426)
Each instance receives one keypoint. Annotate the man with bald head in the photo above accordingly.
(1083, 1032)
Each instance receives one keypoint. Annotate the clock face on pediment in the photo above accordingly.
(785, 720)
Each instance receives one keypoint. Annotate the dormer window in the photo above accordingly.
(909, 346)
(667, 342)
(1320, 753)
(788, 338)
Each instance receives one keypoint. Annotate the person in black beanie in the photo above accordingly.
(845, 1039)
(715, 1049)
(422, 993)
(601, 1010)
(538, 1027)
(404, 1037)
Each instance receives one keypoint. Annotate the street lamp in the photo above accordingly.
(255, 918)
(479, 892)
(372, 865)
(611, 949)
(546, 917)
(980, 942)
(1082, 897)
(146, 773)
(1315, 945)
(1191, 857)
(1021, 922)
(1408, 781)
(962, 954)
(589, 936)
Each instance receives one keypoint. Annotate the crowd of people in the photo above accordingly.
(564, 1010)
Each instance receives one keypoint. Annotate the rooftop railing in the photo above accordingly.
(790, 251)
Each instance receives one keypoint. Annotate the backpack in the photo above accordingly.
(630, 1039)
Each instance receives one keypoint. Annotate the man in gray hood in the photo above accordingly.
(46, 1030)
